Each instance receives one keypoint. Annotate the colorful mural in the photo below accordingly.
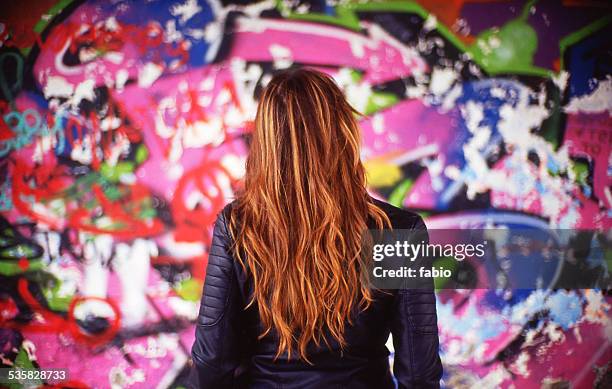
(125, 127)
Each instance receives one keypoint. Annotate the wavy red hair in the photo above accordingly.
(298, 222)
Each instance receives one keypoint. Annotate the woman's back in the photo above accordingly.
(228, 353)
(287, 301)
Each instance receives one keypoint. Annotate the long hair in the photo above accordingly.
(297, 224)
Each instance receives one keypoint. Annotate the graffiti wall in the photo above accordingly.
(124, 129)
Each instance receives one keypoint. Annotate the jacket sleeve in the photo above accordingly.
(414, 329)
(216, 353)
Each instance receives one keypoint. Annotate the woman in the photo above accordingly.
(284, 302)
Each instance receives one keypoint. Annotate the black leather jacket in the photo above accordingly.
(226, 352)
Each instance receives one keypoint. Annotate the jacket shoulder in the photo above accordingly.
(219, 272)
(400, 218)
(222, 221)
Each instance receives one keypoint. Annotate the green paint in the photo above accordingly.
(345, 17)
(189, 289)
(112, 193)
(51, 13)
(424, 214)
(11, 268)
(114, 173)
(81, 185)
(526, 11)
(17, 251)
(509, 49)
(55, 300)
(400, 192)
(577, 36)
(142, 154)
(22, 361)
(378, 101)
(147, 212)
(355, 75)
(90, 204)
(108, 180)
(552, 125)
(414, 8)
(514, 55)
(41, 24)
(581, 171)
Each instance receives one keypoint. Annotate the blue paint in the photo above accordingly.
(565, 308)
(140, 13)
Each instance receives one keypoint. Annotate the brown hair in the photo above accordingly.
(298, 222)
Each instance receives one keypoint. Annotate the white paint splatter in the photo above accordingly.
(97, 251)
(554, 332)
(378, 124)
(598, 101)
(520, 365)
(119, 378)
(185, 11)
(375, 37)
(196, 33)
(84, 91)
(81, 150)
(234, 164)
(111, 24)
(132, 264)
(171, 34)
(148, 74)
(114, 57)
(450, 98)
(201, 133)
(493, 379)
(120, 79)
(441, 80)
(57, 86)
(597, 310)
(430, 23)
(516, 122)
(281, 55)
(560, 80)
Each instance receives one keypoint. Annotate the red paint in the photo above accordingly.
(23, 263)
(21, 24)
(51, 180)
(192, 225)
(95, 124)
(557, 65)
(147, 39)
(133, 134)
(20, 37)
(53, 322)
(5, 131)
(8, 309)
(71, 384)
(97, 339)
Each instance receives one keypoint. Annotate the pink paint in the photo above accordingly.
(377, 55)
